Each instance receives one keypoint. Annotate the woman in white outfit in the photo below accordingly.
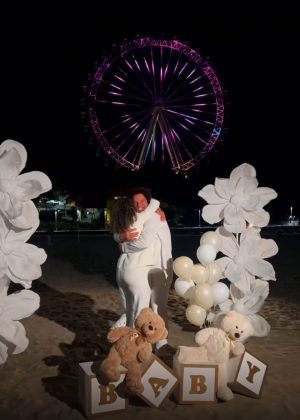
(144, 270)
(125, 218)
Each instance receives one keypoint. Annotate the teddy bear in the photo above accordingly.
(218, 344)
(131, 347)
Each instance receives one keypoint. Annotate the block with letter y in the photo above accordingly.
(250, 376)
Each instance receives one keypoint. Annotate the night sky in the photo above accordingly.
(46, 59)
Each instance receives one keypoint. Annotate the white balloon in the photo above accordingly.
(220, 292)
(182, 267)
(206, 254)
(195, 315)
(211, 238)
(181, 286)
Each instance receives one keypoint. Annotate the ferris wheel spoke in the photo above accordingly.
(195, 133)
(136, 92)
(202, 108)
(175, 150)
(173, 76)
(172, 147)
(179, 85)
(148, 65)
(143, 82)
(133, 125)
(142, 89)
(189, 91)
(149, 137)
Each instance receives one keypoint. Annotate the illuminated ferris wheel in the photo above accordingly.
(155, 99)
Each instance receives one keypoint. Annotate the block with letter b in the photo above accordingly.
(96, 398)
(198, 382)
(250, 376)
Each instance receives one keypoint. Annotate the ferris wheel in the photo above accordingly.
(155, 99)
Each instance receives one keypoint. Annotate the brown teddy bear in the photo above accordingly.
(131, 347)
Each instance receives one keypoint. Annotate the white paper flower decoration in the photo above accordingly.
(17, 191)
(14, 307)
(237, 200)
(247, 303)
(245, 259)
(19, 261)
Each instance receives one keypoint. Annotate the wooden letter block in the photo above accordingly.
(198, 383)
(96, 398)
(250, 376)
(231, 368)
(159, 381)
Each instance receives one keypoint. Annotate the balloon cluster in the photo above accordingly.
(199, 283)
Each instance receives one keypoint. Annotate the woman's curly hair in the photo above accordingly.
(123, 215)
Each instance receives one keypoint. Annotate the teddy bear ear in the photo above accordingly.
(145, 311)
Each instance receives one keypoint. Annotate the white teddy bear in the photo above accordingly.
(218, 344)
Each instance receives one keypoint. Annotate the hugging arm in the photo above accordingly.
(145, 215)
(136, 228)
(146, 238)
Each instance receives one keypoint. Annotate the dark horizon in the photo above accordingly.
(255, 57)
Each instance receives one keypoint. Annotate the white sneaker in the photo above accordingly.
(121, 322)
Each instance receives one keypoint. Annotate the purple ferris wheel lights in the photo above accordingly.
(156, 99)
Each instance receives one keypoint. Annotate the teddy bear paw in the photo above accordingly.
(134, 387)
(224, 393)
(238, 349)
(112, 374)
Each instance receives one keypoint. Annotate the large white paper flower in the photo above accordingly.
(247, 303)
(245, 259)
(14, 307)
(19, 261)
(17, 191)
(237, 200)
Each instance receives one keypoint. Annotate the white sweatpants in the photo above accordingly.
(141, 287)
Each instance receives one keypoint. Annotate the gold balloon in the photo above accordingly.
(214, 272)
(203, 296)
(182, 267)
(211, 238)
(195, 315)
(199, 274)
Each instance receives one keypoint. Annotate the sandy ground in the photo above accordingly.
(79, 299)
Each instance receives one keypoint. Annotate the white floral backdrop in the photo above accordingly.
(20, 262)
(238, 202)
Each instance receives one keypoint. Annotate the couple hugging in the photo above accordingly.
(144, 268)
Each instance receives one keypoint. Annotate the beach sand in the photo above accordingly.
(79, 300)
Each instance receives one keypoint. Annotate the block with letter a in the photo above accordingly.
(96, 398)
(159, 382)
(250, 376)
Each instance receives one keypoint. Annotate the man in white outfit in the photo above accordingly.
(144, 271)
